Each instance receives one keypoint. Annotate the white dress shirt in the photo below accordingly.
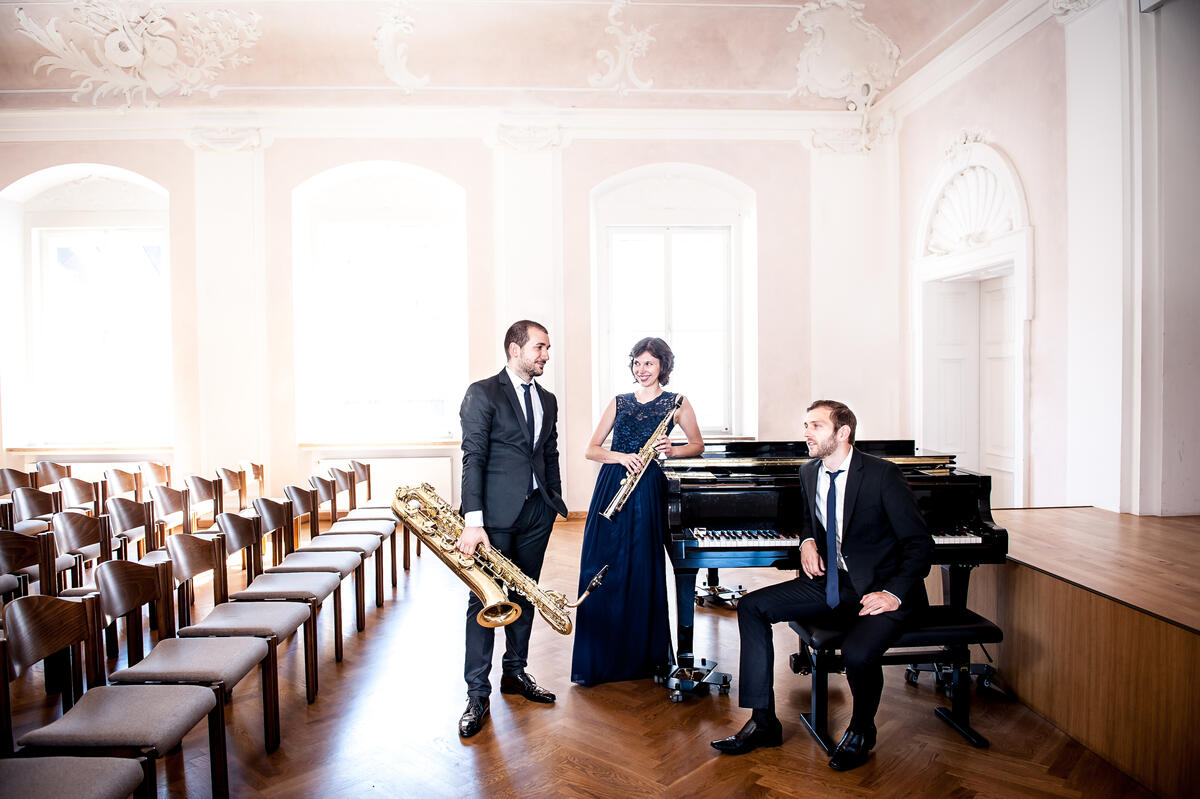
(475, 518)
(840, 500)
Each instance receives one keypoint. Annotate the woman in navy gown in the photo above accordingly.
(622, 632)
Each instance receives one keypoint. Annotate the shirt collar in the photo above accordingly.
(844, 465)
(517, 381)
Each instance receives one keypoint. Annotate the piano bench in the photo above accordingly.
(940, 635)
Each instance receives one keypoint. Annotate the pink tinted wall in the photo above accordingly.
(1018, 98)
(778, 173)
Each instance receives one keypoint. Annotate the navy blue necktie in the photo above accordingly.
(831, 547)
(529, 426)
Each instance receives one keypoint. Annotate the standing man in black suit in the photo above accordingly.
(864, 574)
(511, 492)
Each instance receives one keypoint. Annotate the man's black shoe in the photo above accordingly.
(526, 686)
(750, 737)
(472, 718)
(854, 750)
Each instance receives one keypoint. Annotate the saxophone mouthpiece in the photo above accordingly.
(596, 582)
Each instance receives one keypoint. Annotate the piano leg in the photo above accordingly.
(713, 593)
(689, 674)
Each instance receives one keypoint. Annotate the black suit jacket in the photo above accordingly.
(885, 542)
(496, 455)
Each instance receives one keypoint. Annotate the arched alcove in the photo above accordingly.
(379, 292)
(972, 300)
(674, 254)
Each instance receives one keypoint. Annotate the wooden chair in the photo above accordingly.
(216, 663)
(88, 538)
(233, 480)
(365, 542)
(22, 557)
(172, 509)
(48, 473)
(155, 474)
(191, 557)
(204, 499)
(257, 473)
(133, 721)
(32, 509)
(81, 496)
(10, 479)
(133, 523)
(343, 483)
(120, 483)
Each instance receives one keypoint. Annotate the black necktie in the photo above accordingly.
(831, 547)
(529, 426)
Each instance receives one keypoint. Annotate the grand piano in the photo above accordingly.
(739, 505)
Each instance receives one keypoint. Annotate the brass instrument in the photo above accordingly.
(647, 453)
(440, 527)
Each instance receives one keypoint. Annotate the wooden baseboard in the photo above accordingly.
(576, 515)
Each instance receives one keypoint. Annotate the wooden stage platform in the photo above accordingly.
(1101, 620)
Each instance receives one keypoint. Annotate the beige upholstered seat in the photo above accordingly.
(310, 587)
(340, 562)
(200, 660)
(61, 777)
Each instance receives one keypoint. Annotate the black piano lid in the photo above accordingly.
(795, 453)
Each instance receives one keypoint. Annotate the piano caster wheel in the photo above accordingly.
(699, 602)
(723, 690)
(676, 696)
(912, 676)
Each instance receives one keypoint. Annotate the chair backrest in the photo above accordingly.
(202, 489)
(304, 502)
(31, 502)
(119, 481)
(155, 473)
(343, 479)
(326, 492)
(124, 587)
(19, 551)
(275, 515)
(362, 474)
(239, 531)
(191, 556)
(14, 478)
(78, 493)
(167, 500)
(257, 473)
(74, 531)
(233, 480)
(127, 514)
(49, 472)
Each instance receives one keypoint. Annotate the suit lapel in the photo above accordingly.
(549, 410)
(510, 392)
(808, 476)
(853, 481)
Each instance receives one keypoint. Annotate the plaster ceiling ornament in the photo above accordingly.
(1065, 9)
(846, 57)
(630, 46)
(225, 140)
(859, 139)
(392, 47)
(528, 138)
(973, 209)
(137, 50)
(961, 147)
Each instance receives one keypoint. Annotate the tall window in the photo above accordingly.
(675, 258)
(380, 305)
(676, 283)
(91, 361)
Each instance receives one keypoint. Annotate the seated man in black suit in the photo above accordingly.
(877, 551)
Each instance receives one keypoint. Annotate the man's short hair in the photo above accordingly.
(840, 414)
(518, 333)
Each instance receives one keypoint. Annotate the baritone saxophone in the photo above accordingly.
(647, 453)
(487, 573)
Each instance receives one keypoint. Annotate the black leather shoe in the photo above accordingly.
(472, 718)
(526, 686)
(750, 737)
(854, 750)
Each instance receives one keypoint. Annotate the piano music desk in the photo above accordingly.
(1101, 615)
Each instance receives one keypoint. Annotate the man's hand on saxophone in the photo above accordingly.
(471, 538)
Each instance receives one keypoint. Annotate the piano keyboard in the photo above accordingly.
(747, 539)
(956, 538)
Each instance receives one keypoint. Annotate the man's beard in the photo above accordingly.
(822, 448)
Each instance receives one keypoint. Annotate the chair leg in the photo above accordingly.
(269, 672)
(407, 549)
(395, 577)
(379, 576)
(817, 720)
(217, 756)
(337, 623)
(111, 644)
(310, 654)
(360, 596)
(148, 787)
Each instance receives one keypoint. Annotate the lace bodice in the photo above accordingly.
(635, 422)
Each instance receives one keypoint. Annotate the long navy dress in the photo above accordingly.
(622, 630)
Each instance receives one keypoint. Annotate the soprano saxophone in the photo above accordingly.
(440, 527)
(647, 453)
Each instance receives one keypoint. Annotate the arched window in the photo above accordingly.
(675, 257)
(86, 309)
(380, 305)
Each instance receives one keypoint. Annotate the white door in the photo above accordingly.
(997, 376)
(951, 371)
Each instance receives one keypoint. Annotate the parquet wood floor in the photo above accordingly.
(385, 722)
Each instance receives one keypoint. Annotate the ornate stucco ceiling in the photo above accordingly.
(661, 54)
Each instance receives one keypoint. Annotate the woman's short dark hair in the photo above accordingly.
(661, 352)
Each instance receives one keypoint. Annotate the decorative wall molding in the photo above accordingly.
(960, 148)
(527, 138)
(630, 46)
(139, 51)
(845, 58)
(226, 140)
(392, 48)
(1066, 9)
(979, 199)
